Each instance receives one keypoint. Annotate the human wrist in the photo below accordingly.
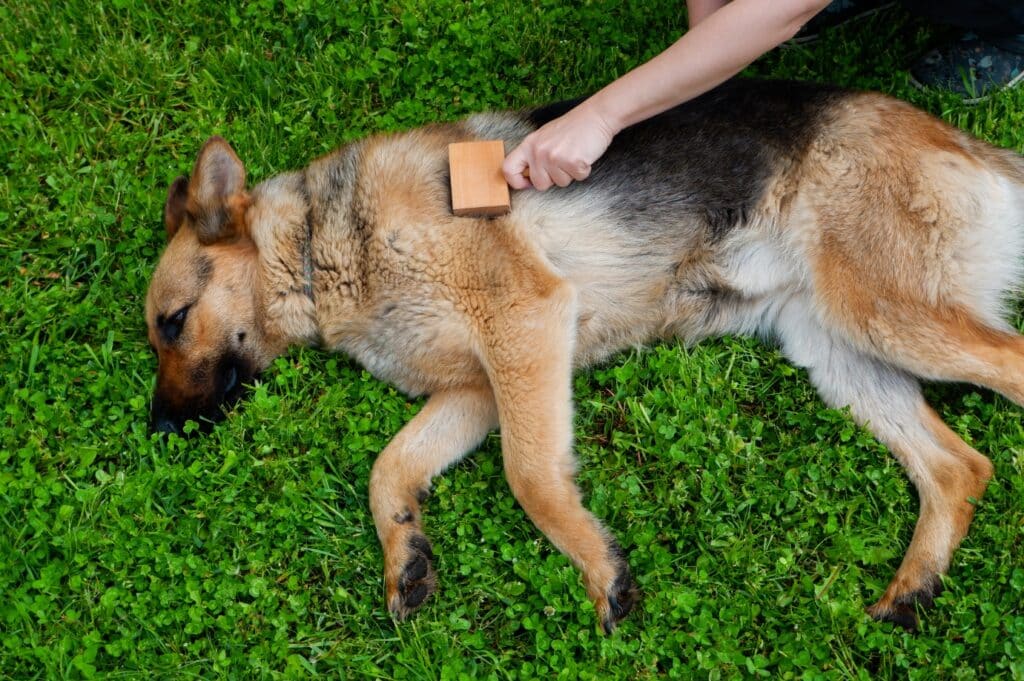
(603, 112)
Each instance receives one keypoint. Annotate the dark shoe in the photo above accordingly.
(971, 67)
(837, 13)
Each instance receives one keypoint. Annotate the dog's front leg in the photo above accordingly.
(528, 356)
(450, 425)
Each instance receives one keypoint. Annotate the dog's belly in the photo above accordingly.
(622, 276)
(633, 288)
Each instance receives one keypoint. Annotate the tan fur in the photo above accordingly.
(863, 260)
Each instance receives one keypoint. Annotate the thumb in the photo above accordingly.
(516, 170)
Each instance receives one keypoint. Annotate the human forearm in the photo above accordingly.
(699, 10)
(724, 38)
(715, 49)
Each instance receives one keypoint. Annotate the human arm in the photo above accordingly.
(717, 47)
(699, 10)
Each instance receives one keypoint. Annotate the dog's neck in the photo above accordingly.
(312, 237)
(281, 225)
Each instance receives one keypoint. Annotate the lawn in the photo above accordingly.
(759, 523)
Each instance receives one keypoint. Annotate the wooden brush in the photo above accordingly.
(478, 185)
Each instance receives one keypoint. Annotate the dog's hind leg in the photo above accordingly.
(949, 475)
(449, 425)
(951, 345)
(528, 356)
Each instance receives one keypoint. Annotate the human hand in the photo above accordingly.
(559, 152)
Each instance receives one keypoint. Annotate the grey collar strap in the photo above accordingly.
(307, 257)
(307, 244)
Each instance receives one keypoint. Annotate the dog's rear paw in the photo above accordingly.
(618, 601)
(900, 614)
(902, 610)
(416, 581)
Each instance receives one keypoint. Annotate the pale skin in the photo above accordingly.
(724, 38)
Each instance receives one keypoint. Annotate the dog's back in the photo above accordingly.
(697, 221)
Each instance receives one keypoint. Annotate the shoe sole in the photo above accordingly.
(807, 39)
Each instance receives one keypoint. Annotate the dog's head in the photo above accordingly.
(201, 305)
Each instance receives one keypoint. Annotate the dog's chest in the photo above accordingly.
(417, 345)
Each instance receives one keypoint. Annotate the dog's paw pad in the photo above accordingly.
(902, 610)
(900, 614)
(417, 580)
(415, 594)
(621, 598)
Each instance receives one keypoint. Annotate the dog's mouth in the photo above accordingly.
(234, 376)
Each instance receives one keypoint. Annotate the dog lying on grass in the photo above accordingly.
(876, 244)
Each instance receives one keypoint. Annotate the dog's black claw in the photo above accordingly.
(417, 580)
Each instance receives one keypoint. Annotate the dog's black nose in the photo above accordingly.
(163, 424)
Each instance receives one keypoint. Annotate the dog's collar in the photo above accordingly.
(308, 264)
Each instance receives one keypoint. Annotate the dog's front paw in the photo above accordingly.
(415, 581)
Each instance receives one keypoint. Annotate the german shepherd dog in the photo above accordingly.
(874, 243)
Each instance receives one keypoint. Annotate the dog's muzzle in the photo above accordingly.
(170, 410)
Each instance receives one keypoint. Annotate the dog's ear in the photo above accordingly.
(174, 209)
(216, 193)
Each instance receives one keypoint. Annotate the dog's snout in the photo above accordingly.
(162, 419)
(162, 424)
(230, 381)
(173, 406)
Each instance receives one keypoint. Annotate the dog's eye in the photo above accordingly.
(170, 327)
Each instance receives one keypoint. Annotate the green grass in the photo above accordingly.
(759, 523)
